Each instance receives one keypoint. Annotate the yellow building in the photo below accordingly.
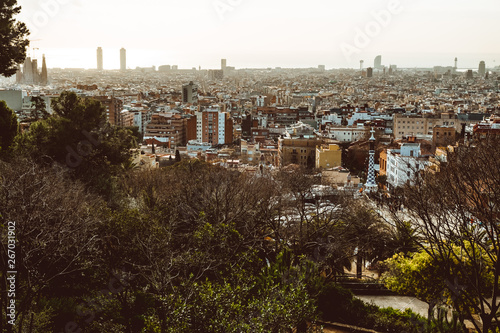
(298, 151)
(328, 156)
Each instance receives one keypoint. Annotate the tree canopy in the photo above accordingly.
(8, 127)
(13, 38)
(77, 135)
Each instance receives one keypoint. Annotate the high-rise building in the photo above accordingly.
(469, 74)
(482, 68)
(214, 126)
(215, 74)
(369, 72)
(223, 64)
(377, 63)
(190, 93)
(99, 59)
(123, 59)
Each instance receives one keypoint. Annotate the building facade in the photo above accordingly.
(329, 156)
(167, 127)
(298, 151)
(422, 126)
(214, 126)
(401, 165)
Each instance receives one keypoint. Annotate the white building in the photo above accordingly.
(404, 163)
(332, 118)
(347, 134)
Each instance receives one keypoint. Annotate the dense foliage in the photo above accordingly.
(13, 38)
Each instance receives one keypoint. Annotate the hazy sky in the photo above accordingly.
(264, 33)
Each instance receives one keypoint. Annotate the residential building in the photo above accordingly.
(214, 126)
(347, 133)
(113, 106)
(443, 136)
(190, 93)
(167, 127)
(402, 164)
(299, 151)
(328, 156)
(421, 126)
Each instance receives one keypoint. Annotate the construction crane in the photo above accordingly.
(35, 48)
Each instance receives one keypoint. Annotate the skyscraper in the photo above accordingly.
(223, 64)
(99, 59)
(123, 59)
(377, 63)
(482, 68)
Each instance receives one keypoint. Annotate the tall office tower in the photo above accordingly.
(123, 59)
(223, 63)
(99, 59)
(482, 68)
(369, 72)
(44, 77)
(456, 62)
(377, 63)
(361, 64)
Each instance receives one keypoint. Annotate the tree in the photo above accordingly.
(55, 225)
(456, 212)
(8, 127)
(13, 42)
(366, 235)
(77, 135)
(39, 108)
(421, 276)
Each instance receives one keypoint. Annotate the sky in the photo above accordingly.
(264, 33)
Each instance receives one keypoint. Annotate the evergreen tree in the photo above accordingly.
(8, 126)
(13, 41)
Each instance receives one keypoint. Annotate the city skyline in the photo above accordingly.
(260, 35)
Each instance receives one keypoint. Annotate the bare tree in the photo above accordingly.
(458, 208)
(55, 222)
